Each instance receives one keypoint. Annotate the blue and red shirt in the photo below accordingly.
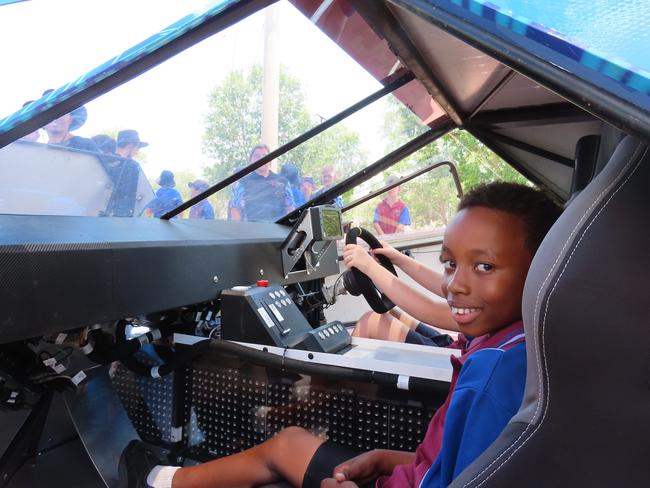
(487, 388)
(390, 216)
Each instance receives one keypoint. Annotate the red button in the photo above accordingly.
(263, 283)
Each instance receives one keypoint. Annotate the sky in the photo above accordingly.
(55, 41)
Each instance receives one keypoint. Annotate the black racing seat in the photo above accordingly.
(585, 417)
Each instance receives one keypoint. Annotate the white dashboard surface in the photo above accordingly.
(407, 360)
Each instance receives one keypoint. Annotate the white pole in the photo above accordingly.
(271, 87)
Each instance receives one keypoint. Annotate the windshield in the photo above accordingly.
(165, 136)
(152, 143)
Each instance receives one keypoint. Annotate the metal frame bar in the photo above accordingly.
(223, 20)
(537, 63)
(369, 171)
(392, 83)
(381, 20)
(532, 116)
(497, 88)
(426, 169)
(524, 146)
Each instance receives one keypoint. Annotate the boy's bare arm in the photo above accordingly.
(407, 298)
(428, 278)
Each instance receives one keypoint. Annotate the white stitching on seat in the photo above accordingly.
(580, 221)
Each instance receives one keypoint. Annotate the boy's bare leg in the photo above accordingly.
(285, 456)
(385, 327)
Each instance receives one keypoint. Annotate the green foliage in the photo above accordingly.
(432, 198)
(233, 125)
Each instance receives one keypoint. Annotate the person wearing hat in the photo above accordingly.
(59, 130)
(122, 168)
(308, 187)
(203, 209)
(392, 214)
(129, 143)
(167, 197)
(262, 196)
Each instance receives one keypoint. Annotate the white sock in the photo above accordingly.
(161, 476)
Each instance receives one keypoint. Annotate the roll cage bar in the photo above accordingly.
(444, 162)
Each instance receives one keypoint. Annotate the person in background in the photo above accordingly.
(262, 195)
(289, 172)
(328, 178)
(308, 187)
(391, 214)
(167, 197)
(123, 169)
(203, 209)
(59, 130)
(105, 143)
(129, 143)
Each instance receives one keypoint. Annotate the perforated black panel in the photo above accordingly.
(231, 409)
(148, 403)
(230, 406)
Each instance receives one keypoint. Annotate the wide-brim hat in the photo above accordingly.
(130, 136)
(198, 185)
(166, 178)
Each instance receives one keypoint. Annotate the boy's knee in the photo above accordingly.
(285, 443)
(289, 436)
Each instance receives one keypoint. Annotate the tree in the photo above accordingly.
(432, 198)
(233, 125)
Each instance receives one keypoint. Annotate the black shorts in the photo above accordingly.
(424, 335)
(326, 458)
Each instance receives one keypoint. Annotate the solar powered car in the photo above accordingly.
(123, 318)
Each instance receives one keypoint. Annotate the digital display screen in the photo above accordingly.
(331, 221)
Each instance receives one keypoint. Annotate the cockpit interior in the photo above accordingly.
(175, 199)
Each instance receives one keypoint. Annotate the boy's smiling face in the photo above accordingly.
(485, 261)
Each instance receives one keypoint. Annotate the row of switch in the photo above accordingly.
(278, 294)
(284, 301)
(331, 330)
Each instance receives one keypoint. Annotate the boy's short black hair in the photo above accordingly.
(537, 210)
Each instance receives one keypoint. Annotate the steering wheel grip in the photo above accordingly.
(357, 282)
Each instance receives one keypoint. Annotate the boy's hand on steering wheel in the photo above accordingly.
(390, 252)
(357, 257)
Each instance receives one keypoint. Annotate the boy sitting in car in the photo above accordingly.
(487, 250)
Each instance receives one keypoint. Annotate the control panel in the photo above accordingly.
(267, 315)
(332, 337)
